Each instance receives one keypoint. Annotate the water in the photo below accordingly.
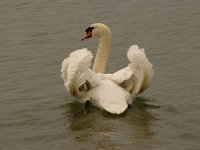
(35, 111)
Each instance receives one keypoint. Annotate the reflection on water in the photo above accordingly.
(106, 130)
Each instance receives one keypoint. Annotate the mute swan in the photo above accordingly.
(110, 92)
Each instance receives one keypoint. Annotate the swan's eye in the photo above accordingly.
(89, 29)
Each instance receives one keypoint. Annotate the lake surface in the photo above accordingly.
(36, 113)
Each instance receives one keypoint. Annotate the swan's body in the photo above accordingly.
(111, 92)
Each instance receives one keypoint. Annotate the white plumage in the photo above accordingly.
(110, 92)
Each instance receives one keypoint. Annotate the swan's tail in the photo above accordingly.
(110, 97)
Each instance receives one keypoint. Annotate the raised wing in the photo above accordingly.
(77, 76)
(136, 77)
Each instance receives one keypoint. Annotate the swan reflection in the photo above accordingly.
(105, 131)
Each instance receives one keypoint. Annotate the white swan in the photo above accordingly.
(110, 92)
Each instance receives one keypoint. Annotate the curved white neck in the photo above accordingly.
(102, 53)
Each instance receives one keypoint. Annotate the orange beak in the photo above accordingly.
(87, 35)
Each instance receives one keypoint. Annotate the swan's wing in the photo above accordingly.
(139, 60)
(77, 76)
(136, 77)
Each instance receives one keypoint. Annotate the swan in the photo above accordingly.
(109, 92)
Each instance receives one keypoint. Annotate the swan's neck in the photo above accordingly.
(102, 53)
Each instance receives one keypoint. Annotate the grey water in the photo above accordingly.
(36, 113)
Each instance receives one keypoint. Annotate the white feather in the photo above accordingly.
(110, 97)
(110, 92)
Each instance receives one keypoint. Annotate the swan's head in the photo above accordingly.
(96, 30)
